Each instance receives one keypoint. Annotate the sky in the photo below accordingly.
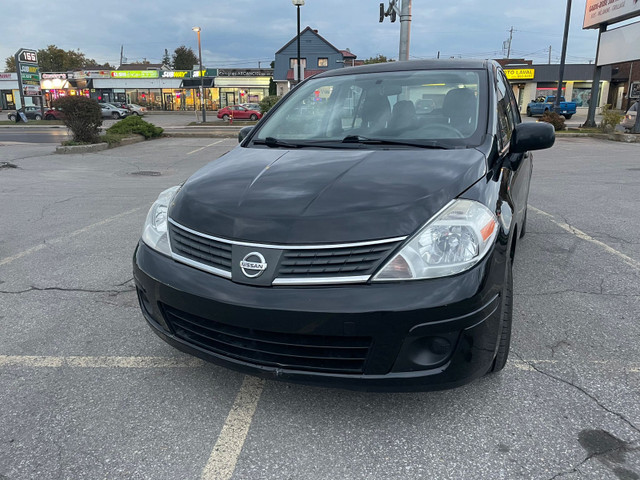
(247, 33)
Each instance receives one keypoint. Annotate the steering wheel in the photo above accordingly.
(442, 128)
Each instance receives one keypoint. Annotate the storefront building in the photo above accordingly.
(9, 93)
(248, 85)
(531, 81)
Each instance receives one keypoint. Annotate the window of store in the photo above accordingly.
(582, 93)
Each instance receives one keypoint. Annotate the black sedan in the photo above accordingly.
(350, 240)
(31, 112)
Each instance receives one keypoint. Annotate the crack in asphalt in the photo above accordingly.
(580, 389)
(624, 447)
(570, 290)
(62, 289)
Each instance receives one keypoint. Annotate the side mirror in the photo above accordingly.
(532, 136)
(243, 133)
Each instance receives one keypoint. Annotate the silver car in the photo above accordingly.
(629, 119)
(136, 109)
(109, 111)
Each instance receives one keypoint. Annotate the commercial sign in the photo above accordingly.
(90, 74)
(8, 76)
(209, 72)
(28, 72)
(520, 73)
(599, 12)
(245, 72)
(177, 74)
(134, 74)
(619, 45)
(54, 76)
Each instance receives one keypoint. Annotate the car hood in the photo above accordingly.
(311, 196)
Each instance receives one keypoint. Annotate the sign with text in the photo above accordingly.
(134, 74)
(28, 72)
(520, 73)
(176, 74)
(606, 12)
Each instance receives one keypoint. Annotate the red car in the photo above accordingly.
(53, 114)
(239, 113)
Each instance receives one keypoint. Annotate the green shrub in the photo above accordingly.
(268, 102)
(610, 119)
(135, 124)
(554, 119)
(82, 116)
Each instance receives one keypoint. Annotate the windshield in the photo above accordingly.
(422, 107)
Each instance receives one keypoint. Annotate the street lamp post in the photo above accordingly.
(298, 4)
(204, 111)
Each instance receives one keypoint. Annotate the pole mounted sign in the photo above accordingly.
(606, 12)
(28, 74)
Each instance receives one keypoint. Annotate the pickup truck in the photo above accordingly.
(545, 104)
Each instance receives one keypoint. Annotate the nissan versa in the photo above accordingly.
(350, 240)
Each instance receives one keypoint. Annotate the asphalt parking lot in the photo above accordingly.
(87, 391)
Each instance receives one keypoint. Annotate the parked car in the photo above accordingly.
(251, 106)
(332, 248)
(239, 113)
(629, 119)
(109, 110)
(136, 109)
(547, 104)
(53, 114)
(121, 105)
(31, 112)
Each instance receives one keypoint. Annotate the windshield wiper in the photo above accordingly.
(273, 142)
(382, 141)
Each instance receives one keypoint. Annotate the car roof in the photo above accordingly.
(441, 64)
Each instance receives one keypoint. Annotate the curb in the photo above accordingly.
(614, 137)
(202, 134)
(98, 147)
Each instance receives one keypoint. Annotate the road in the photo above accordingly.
(87, 390)
(33, 135)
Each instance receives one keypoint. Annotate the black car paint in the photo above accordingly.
(466, 306)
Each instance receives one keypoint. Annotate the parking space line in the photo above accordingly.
(206, 146)
(224, 457)
(580, 234)
(63, 238)
(33, 361)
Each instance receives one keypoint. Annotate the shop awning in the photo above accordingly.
(195, 82)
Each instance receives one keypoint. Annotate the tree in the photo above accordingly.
(82, 116)
(184, 58)
(54, 59)
(166, 59)
(378, 59)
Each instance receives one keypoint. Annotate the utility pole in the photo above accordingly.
(121, 52)
(563, 56)
(510, 38)
(595, 86)
(549, 54)
(405, 23)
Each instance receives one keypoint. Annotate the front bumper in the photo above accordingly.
(419, 335)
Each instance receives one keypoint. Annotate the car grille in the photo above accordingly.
(298, 265)
(200, 249)
(321, 353)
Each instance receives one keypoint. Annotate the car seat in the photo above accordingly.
(460, 110)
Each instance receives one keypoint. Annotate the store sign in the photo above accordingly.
(606, 12)
(176, 74)
(134, 74)
(520, 73)
(8, 76)
(209, 72)
(28, 72)
(90, 74)
(619, 45)
(245, 72)
(54, 76)
(635, 90)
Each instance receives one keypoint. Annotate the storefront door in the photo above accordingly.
(230, 98)
(168, 101)
(7, 101)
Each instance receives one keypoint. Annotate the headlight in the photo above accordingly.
(453, 241)
(155, 233)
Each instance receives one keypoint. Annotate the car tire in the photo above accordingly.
(225, 117)
(135, 113)
(38, 117)
(506, 319)
(115, 115)
(568, 117)
(529, 114)
(253, 117)
(49, 117)
(12, 118)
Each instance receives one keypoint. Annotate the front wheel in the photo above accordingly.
(225, 117)
(115, 115)
(135, 113)
(38, 117)
(568, 117)
(507, 319)
(253, 117)
(529, 114)
(12, 118)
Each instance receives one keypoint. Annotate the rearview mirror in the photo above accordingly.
(532, 136)
(243, 133)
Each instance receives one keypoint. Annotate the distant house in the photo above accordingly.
(316, 55)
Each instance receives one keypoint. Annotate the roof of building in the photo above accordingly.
(139, 66)
(344, 53)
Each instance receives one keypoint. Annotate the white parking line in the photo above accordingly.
(32, 361)
(226, 451)
(206, 146)
(64, 238)
(580, 234)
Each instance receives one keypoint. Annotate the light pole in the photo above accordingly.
(298, 4)
(204, 112)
